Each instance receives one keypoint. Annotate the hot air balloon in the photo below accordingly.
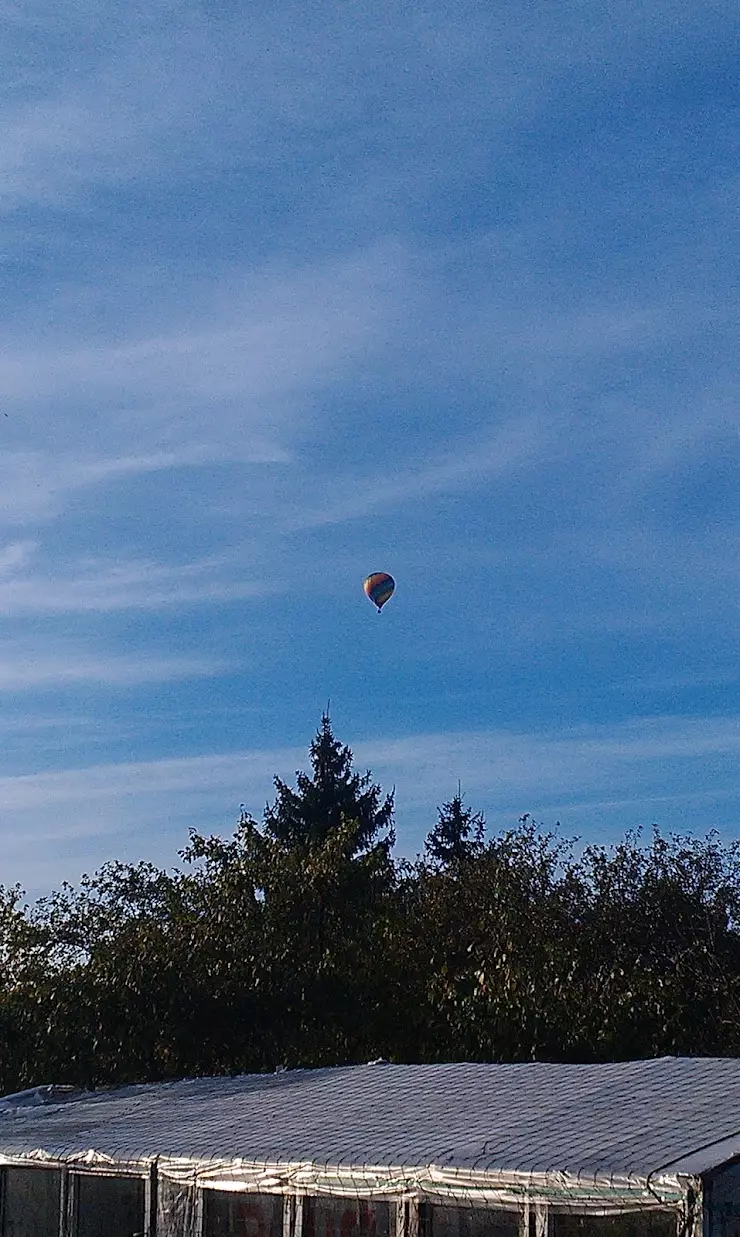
(378, 587)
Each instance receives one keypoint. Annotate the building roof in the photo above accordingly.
(627, 1120)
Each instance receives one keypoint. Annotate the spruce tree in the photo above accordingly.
(458, 833)
(333, 797)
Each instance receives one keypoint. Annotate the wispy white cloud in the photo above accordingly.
(114, 782)
(14, 555)
(267, 333)
(25, 670)
(592, 777)
(54, 826)
(234, 375)
(554, 764)
(105, 113)
(164, 84)
(206, 349)
(101, 587)
(511, 448)
(35, 484)
(35, 722)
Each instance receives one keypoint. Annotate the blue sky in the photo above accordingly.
(293, 293)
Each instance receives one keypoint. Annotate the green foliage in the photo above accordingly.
(301, 940)
(660, 953)
(458, 834)
(330, 800)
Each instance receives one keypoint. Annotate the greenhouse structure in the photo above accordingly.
(629, 1149)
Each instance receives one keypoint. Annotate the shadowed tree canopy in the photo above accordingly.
(332, 798)
(302, 941)
(458, 833)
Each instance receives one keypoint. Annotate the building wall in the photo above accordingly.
(86, 1201)
(722, 1203)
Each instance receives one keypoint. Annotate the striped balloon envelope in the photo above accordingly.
(378, 587)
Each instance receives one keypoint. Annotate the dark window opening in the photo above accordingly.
(470, 1222)
(635, 1224)
(30, 1202)
(226, 1214)
(345, 1217)
(108, 1207)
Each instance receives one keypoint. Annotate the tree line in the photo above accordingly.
(303, 940)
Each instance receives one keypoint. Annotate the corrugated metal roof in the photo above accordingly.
(626, 1119)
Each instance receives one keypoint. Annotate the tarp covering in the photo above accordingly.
(433, 1184)
(598, 1138)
